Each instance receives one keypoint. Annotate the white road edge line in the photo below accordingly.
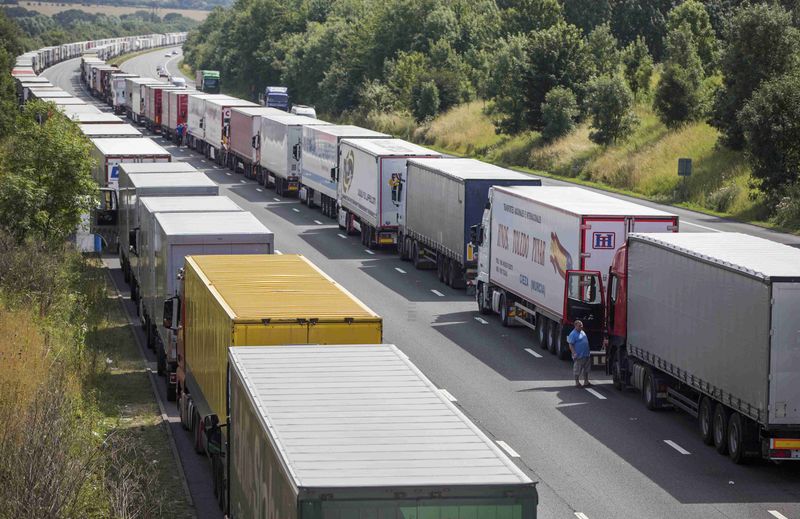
(398, 269)
(532, 352)
(481, 320)
(368, 251)
(228, 173)
(775, 513)
(701, 226)
(257, 189)
(581, 515)
(595, 393)
(342, 236)
(278, 252)
(277, 199)
(317, 222)
(437, 293)
(677, 447)
(242, 182)
(506, 447)
(447, 395)
(296, 210)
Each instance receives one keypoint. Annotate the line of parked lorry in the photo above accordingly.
(701, 322)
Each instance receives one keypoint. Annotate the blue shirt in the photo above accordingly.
(580, 343)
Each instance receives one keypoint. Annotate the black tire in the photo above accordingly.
(616, 372)
(705, 420)
(161, 363)
(551, 338)
(483, 308)
(504, 319)
(455, 276)
(721, 428)
(448, 272)
(171, 390)
(407, 249)
(737, 438)
(198, 446)
(440, 267)
(415, 255)
(541, 330)
(649, 391)
(562, 348)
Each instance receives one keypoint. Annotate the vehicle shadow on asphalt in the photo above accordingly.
(415, 286)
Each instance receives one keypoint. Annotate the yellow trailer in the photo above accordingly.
(249, 300)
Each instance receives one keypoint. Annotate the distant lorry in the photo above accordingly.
(216, 123)
(110, 153)
(708, 323)
(370, 178)
(177, 112)
(251, 300)
(277, 97)
(244, 141)
(195, 119)
(543, 254)
(176, 236)
(306, 111)
(109, 131)
(155, 100)
(371, 449)
(207, 81)
(134, 90)
(118, 91)
(445, 199)
(320, 154)
(281, 146)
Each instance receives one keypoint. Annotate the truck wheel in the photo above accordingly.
(737, 438)
(562, 350)
(456, 275)
(705, 420)
(415, 255)
(170, 389)
(721, 428)
(440, 267)
(616, 372)
(551, 339)
(198, 443)
(649, 391)
(504, 320)
(447, 271)
(480, 297)
(541, 330)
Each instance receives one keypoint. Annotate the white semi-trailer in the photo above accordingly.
(544, 254)
(708, 323)
(371, 177)
(281, 141)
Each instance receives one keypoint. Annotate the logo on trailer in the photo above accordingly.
(603, 240)
(349, 166)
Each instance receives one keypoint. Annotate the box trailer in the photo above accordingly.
(195, 120)
(178, 235)
(544, 254)
(177, 111)
(320, 158)
(253, 300)
(370, 177)
(281, 138)
(110, 153)
(69, 101)
(445, 200)
(46, 94)
(707, 323)
(245, 138)
(134, 89)
(154, 105)
(118, 91)
(73, 110)
(109, 131)
(94, 118)
(358, 431)
(217, 122)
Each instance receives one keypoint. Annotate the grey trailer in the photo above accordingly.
(334, 432)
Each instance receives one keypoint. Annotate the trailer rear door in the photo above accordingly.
(784, 390)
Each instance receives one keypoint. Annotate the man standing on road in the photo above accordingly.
(179, 134)
(579, 346)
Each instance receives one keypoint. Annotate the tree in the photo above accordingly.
(559, 112)
(587, 14)
(692, 17)
(638, 66)
(771, 128)
(524, 16)
(761, 44)
(507, 84)
(8, 95)
(426, 101)
(646, 18)
(604, 49)
(45, 176)
(557, 56)
(610, 106)
(679, 94)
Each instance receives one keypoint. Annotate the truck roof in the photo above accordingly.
(70, 109)
(349, 130)
(231, 101)
(757, 257)
(127, 146)
(364, 416)
(234, 225)
(254, 111)
(49, 93)
(466, 169)
(288, 119)
(391, 147)
(579, 201)
(157, 167)
(278, 286)
(64, 101)
(94, 118)
(149, 180)
(143, 80)
(94, 130)
(188, 204)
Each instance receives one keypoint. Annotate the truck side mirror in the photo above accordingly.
(172, 308)
(334, 174)
(296, 151)
(254, 142)
(473, 234)
(132, 234)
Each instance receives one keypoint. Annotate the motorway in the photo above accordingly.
(596, 453)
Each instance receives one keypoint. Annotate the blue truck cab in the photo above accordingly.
(277, 97)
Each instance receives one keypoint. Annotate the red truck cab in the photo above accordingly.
(616, 319)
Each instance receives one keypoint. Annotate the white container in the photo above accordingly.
(110, 153)
(281, 146)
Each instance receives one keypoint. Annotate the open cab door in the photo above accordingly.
(584, 299)
(107, 210)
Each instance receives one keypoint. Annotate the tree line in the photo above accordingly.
(542, 65)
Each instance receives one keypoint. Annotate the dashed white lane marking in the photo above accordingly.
(775, 513)
(595, 393)
(437, 293)
(228, 173)
(506, 447)
(276, 199)
(257, 189)
(203, 161)
(532, 352)
(243, 182)
(677, 447)
(368, 251)
(701, 226)
(481, 320)
(581, 515)
(398, 269)
(317, 222)
(447, 395)
(278, 252)
(342, 236)
(296, 210)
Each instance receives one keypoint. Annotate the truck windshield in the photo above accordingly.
(584, 288)
(210, 83)
(509, 508)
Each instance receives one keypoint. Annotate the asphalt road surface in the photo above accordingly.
(596, 453)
